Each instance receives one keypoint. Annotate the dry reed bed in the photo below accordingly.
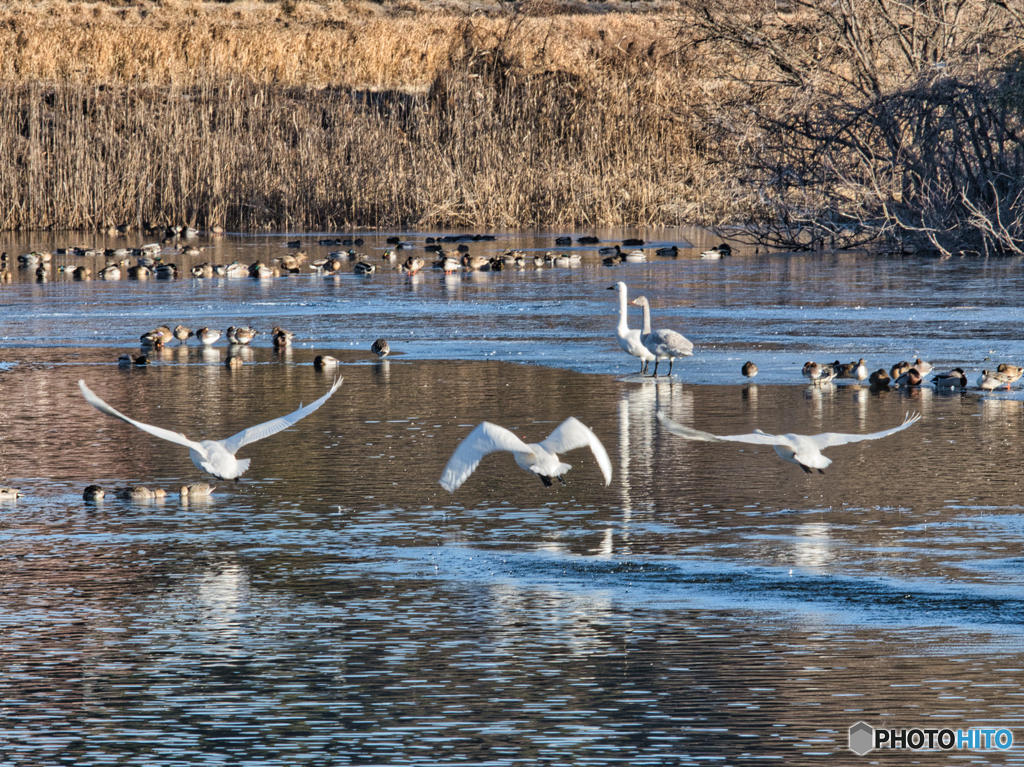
(316, 46)
(863, 121)
(331, 116)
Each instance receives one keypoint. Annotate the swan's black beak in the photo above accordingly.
(610, 287)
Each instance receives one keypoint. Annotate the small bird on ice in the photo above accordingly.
(540, 458)
(216, 457)
(803, 450)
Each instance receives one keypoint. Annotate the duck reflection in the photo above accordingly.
(861, 399)
(921, 396)
(196, 500)
(382, 371)
(995, 410)
(820, 395)
(452, 283)
(749, 395)
(158, 353)
(240, 353)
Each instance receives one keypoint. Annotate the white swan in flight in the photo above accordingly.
(216, 457)
(541, 458)
(805, 451)
(629, 340)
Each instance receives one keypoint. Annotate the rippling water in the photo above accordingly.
(336, 606)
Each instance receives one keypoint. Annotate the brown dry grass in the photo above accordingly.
(541, 113)
(259, 115)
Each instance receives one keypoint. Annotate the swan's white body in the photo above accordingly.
(216, 457)
(663, 344)
(629, 340)
(540, 459)
(803, 450)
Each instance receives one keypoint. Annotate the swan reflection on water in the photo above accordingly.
(637, 424)
(811, 545)
(222, 596)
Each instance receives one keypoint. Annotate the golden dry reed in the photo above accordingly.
(326, 116)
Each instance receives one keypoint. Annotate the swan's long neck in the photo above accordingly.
(623, 311)
(647, 319)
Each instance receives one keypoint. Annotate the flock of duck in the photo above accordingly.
(196, 490)
(237, 337)
(149, 260)
(904, 374)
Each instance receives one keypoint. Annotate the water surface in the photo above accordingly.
(337, 606)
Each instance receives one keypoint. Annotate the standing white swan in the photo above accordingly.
(662, 343)
(629, 340)
(541, 458)
(216, 457)
(803, 450)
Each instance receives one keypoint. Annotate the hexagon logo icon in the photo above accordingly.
(862, 736)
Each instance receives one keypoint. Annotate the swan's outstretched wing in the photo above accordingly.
(831, 439)
(246, 436)
(820, 441)
(571, 434)
(156, 431)
(486, 438)
(757, 438)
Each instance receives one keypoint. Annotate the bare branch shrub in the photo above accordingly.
(868, 119)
